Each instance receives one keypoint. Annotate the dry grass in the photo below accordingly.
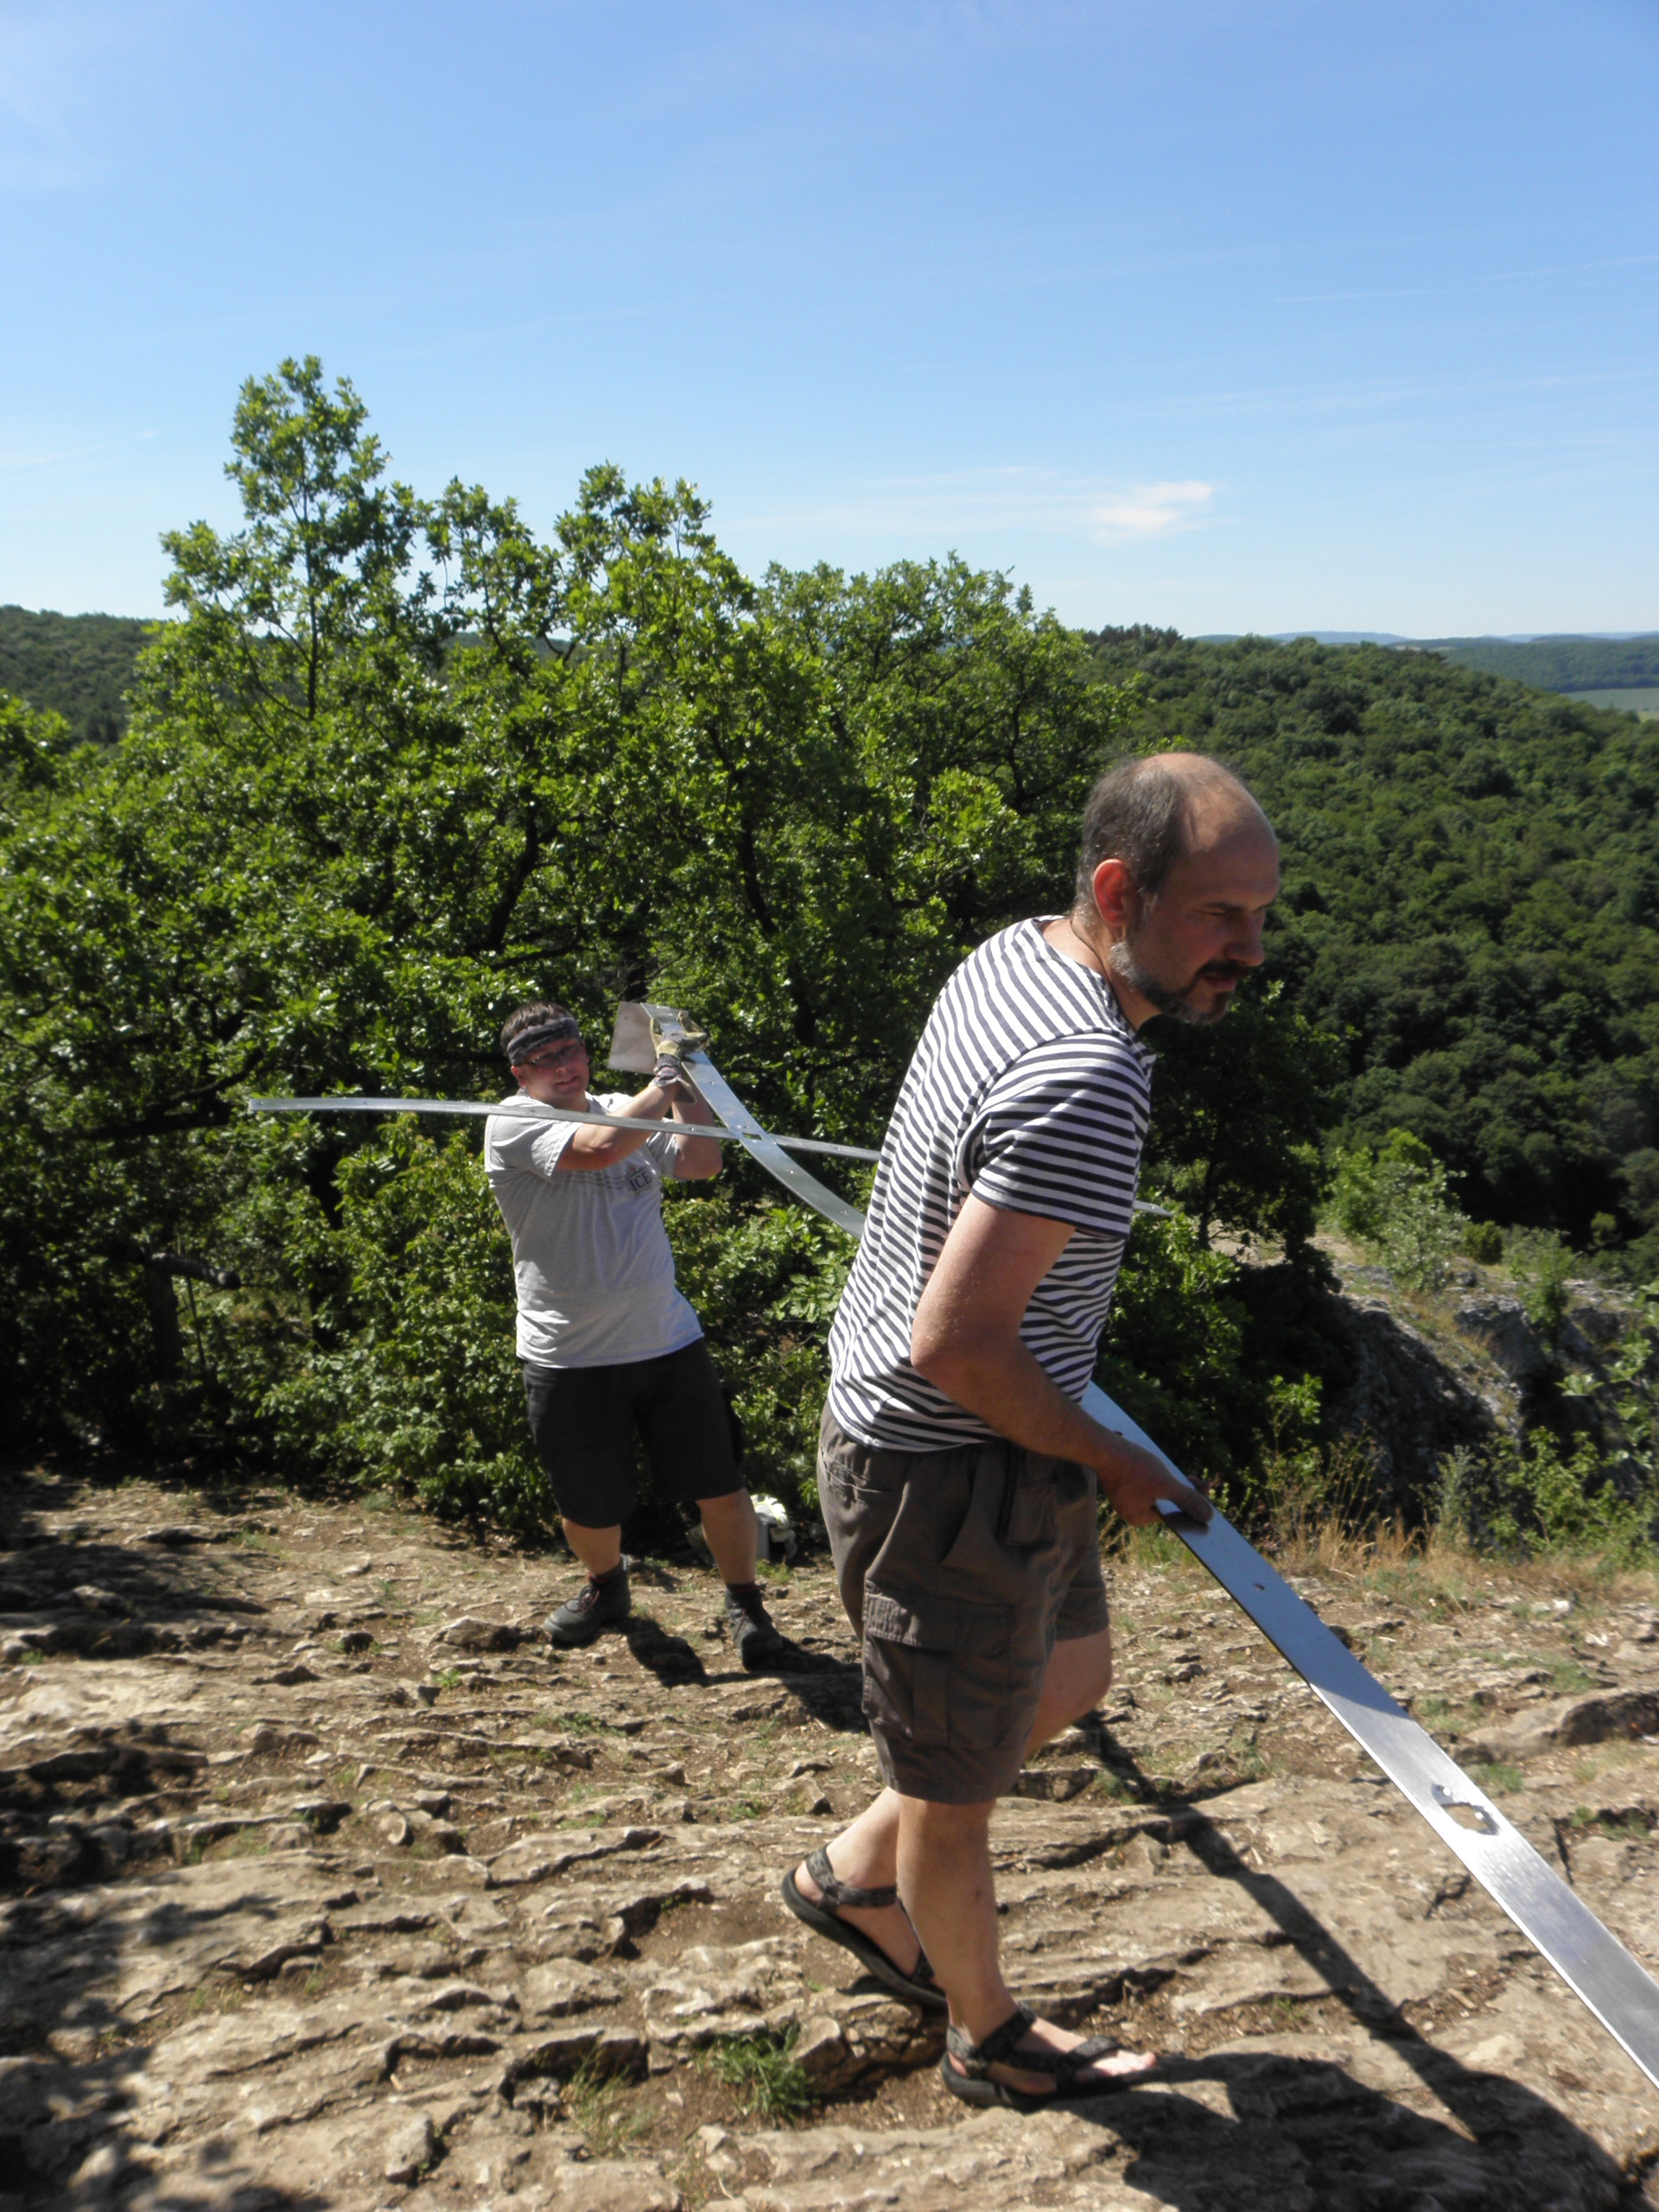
(1614, 1762)
(1415, 1567)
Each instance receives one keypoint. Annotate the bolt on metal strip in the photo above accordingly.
(1590, 1959)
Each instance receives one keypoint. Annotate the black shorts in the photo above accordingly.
(584, 1420)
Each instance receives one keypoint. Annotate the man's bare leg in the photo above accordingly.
(732, 1532)
(1078, 1675)
(866, 1855)
(599, 1549)
(944, 1878)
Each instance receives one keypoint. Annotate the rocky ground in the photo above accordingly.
(328, 1885)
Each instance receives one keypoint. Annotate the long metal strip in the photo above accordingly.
(535, 1110)
(1590, 1959)
(1592, 1962)
(749, 1134)
(755, 1140)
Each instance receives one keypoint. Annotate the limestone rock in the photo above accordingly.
(616, 2185)
(225, 1987)
(471, 1634)
(410, 2150)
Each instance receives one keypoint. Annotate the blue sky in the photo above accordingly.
(1264, 316)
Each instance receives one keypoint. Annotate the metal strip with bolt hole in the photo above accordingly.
(536, 1111)
(1593, 1962)
(1590, 1959)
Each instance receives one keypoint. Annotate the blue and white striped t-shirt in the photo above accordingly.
(1029, 1089)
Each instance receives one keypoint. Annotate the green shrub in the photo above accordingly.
(1394, 1200)
(765, 1281)
(1544, 1262)
(1172, 1357)
(412, 1379)
(1538, 1496)
(1483, 1243)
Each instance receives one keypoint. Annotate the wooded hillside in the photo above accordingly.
(1558, 663)
(81, 666)
(1471, 902)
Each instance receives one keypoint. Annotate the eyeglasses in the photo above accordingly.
(558, 1054)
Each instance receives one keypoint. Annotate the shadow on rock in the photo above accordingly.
(63, 1593)
(65, 1590)
(1338, 2142)
(79, 2104)
(670, 1658)
(1302, 2135)
(830, 1691)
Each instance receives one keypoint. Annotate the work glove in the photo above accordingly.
(672, 1044)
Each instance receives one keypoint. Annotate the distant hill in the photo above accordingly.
(1558, 663)
(1571, 662)
(80, 666)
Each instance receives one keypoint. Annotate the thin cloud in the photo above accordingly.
(1150, 510)
(1477, 284)
(55, 72)
(971, 504)
(12, 461)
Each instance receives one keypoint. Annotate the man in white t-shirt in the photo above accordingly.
(957, 1471)
(610, 1349)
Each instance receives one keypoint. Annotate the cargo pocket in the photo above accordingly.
(936, 1669)
(1029, 1517)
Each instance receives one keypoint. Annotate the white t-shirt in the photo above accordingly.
(1030, 1089)
(594, 1270)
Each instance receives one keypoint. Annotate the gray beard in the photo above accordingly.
(1166, 997)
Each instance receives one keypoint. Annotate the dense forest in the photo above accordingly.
(1472, 903)
(395, 763)
(81, 666)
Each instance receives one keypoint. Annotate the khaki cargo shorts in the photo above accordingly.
(961, 1570)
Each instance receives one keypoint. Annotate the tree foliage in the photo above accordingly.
(1394, 1199)
(397, 763)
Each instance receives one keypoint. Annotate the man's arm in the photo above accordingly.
(965, 1339)
(590, 1146)
(695, 1158)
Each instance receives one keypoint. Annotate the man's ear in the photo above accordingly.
(1117, 900)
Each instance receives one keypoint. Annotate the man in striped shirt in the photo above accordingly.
(957, 1471)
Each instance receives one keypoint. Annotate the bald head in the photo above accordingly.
(1151, 813)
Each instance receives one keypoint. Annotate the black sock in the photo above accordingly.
(742, 1589)
(610, 1576)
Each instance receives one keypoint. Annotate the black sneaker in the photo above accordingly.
(754, 1637)
(595, 1607)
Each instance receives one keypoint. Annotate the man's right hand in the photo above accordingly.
(1133, 1480)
